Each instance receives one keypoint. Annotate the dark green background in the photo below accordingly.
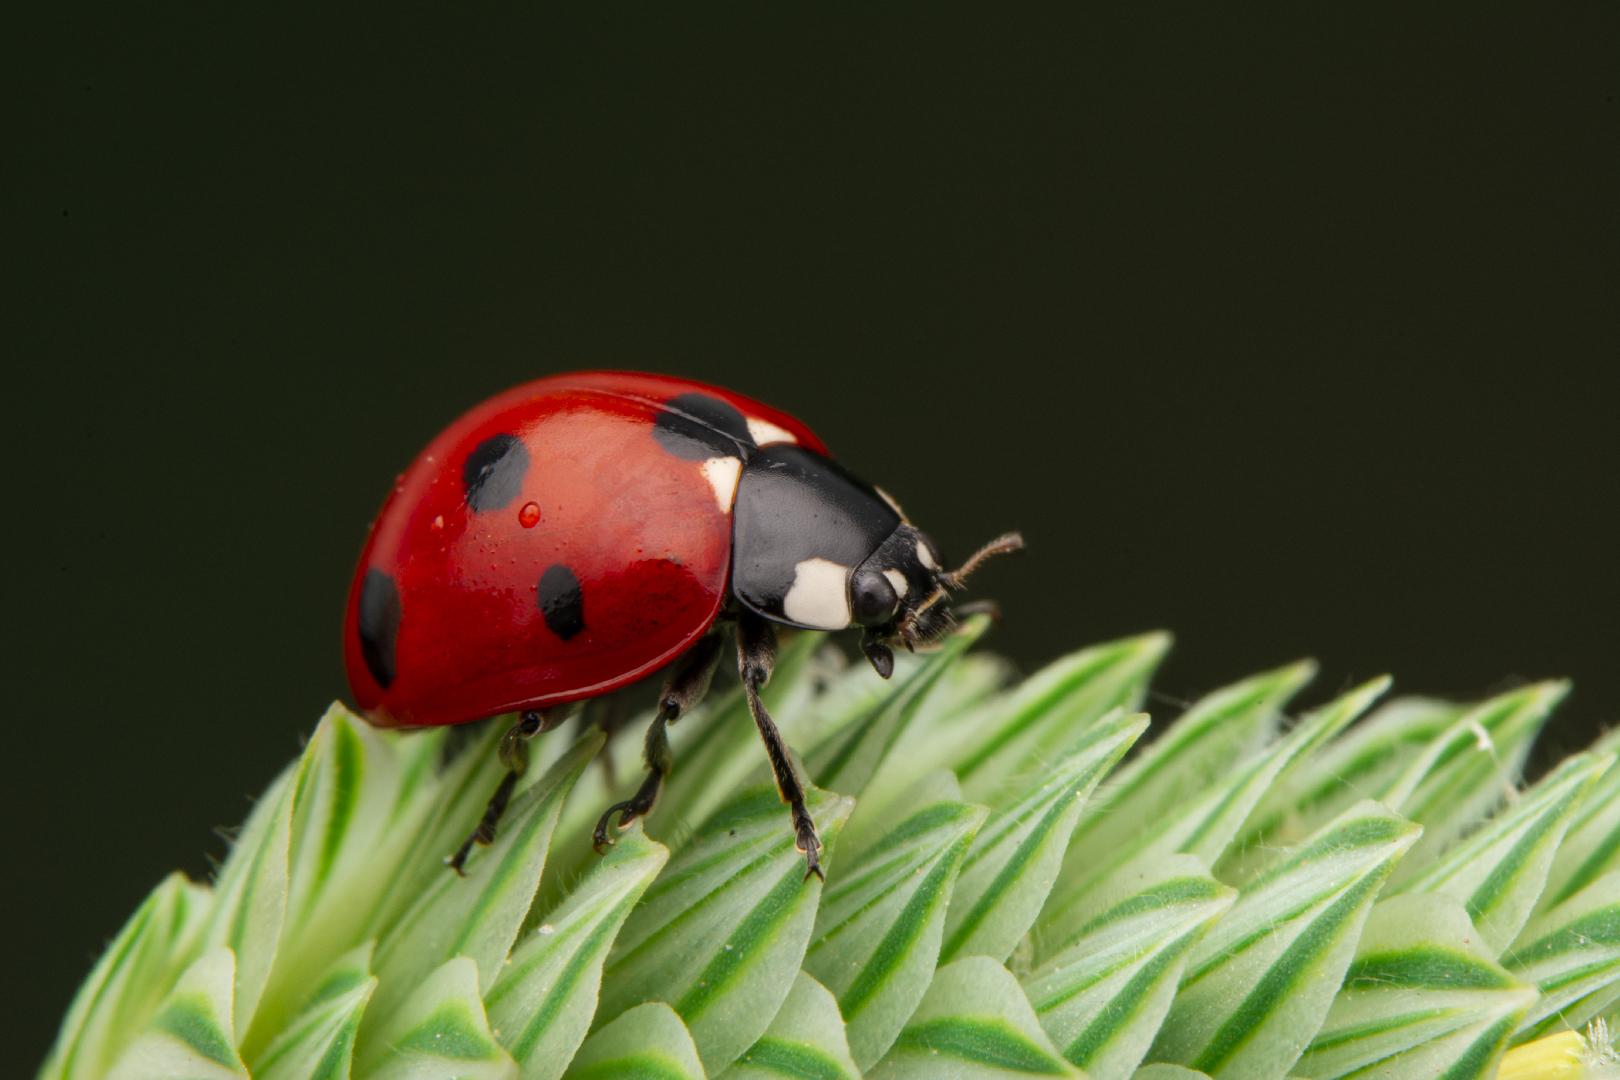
(1293, 333)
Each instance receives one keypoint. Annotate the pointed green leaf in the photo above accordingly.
(1260, 982)
(129, 981)
(877, 936)
(1047, 714)
(1367, 759)
(1278, 822)
(438, 1033)
(345, 846)
(973, 1024)
(846, 760)
(1203, 826)
(1591, 847)
(1102, 999)
(1498, 872)
(1197, 750)
(1423, 998)
(541, 1006)
(479, 915)
(952, 717)
(191, 1034)
(648, 1042)
(319, 1042)
(446, 777)
(1014, 859)
(1572, 955)
(1161, 1071)
(721, 932)
(805, 1040)
(1467, 770)
(250, 897)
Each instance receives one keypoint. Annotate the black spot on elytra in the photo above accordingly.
(561, 602)
(697, 426)
(379, 625)
(493, 474)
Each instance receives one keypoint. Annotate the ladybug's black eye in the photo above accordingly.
(872, 599)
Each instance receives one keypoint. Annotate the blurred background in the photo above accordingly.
(1293, 333)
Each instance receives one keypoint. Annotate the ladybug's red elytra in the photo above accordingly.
(577, 533)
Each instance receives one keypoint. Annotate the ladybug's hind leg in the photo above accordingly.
(514, 754)
(756, 656)
(688, 681)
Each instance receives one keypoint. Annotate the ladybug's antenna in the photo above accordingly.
(1001, 545)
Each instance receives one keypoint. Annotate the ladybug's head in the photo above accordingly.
(901, 593)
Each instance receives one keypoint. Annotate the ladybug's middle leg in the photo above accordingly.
(514, 754)
(756, 656)
(688, 681)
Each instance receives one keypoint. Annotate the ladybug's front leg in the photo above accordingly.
(686, 685)
(756, 656)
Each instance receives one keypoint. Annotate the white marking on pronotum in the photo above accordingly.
(819, 597)
(925, 556)
(722, 473)
(898, 580)
(766, 433)
(886, 497)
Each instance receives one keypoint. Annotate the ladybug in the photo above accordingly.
(580, 532)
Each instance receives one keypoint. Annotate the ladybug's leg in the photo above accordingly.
(688, 681)
(514, 754)
(756, 656)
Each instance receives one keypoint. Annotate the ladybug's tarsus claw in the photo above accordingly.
(811, 847)
(600, 838)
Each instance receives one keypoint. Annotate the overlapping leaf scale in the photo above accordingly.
(1468, 769)
(540, 1007)
(446, 777)
(1102, 999)
(129, 981)
(1048, 713)
(845, 760)
(877, 936)
(1365, 761)
(1498, 872)
(250, 897)
(439, 1032)
(1262, 979)
(1015, 856)
(1423, 998)
(319, 1042)
(1278, 822)
(973, 1024)
(192, 1033)
(1591, 847)
(345, 846)
(1203, 825)
(478, 915)
(648, 1042)
(721, 932)
(1571, 953)
(1196, 751)
(806, 1039)
(952, 717)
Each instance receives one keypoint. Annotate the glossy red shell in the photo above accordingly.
(640, 528)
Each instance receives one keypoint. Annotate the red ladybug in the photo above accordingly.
(577, 533)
